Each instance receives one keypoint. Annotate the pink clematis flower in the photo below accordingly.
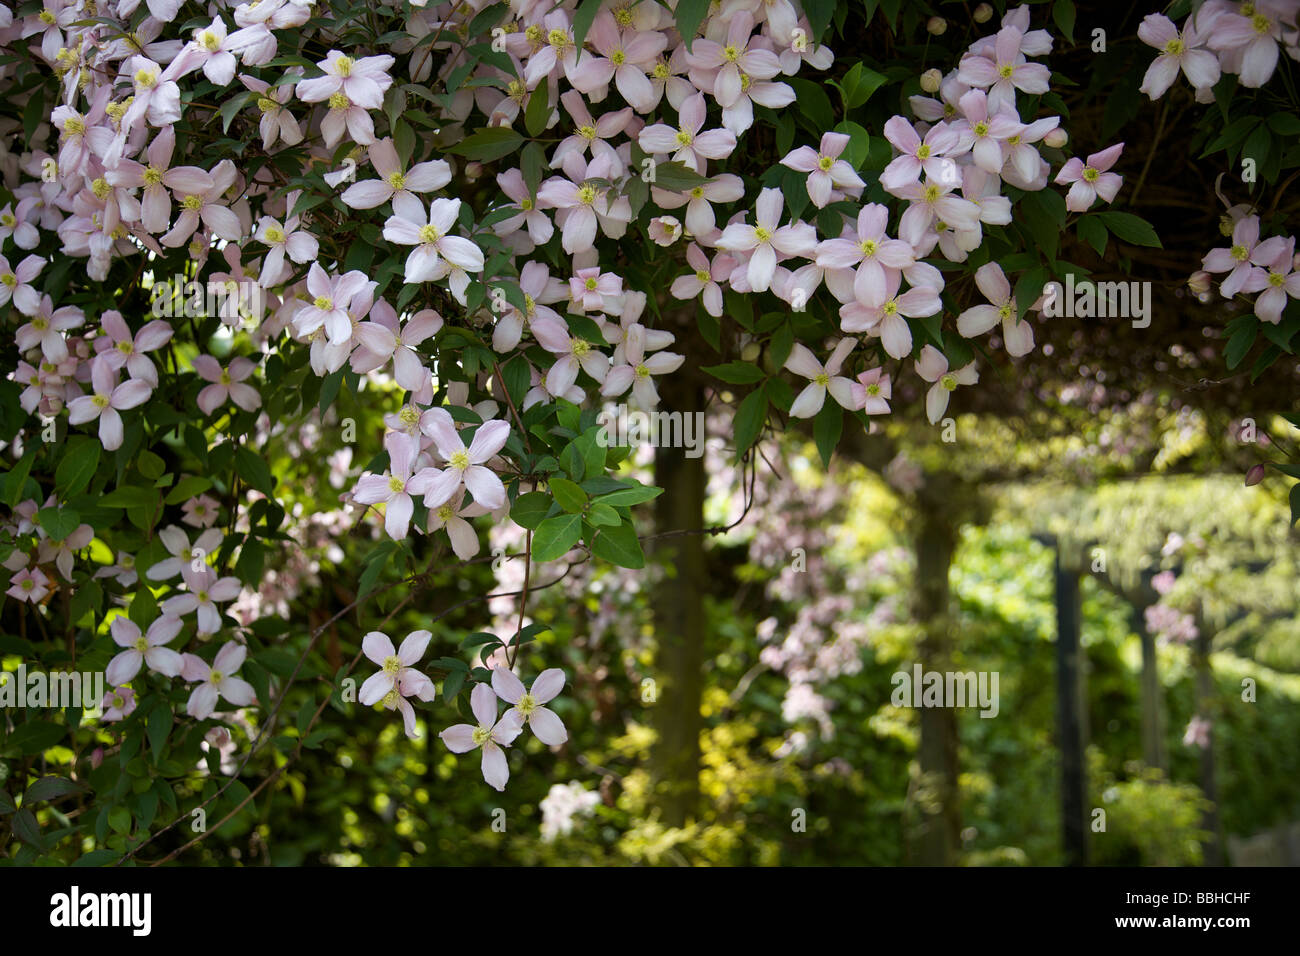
(1251, 42)
(704, 279)
(738, 54)
(767, 238)
(16, 284)
(157, 178)
(45, 329)
(363, 81)
(217, 681)
(451, 516)
(398, 679)
(420, 178)
(394, 489)
(700, 219)
(465, 467)
(919, 155)
(205, 591)
(1091, 179)
(30, 585)
(871, 392)
(529, 704)
(1016, 333)
(384, 339)
(119, 348)
(411, 226)
(1003, 70)
(873, 254)
(331, 300)
(1178, 51)
(142, 649)
(625, 58)
(887, 316)
(933, 367)
(1243, 259)
(118, 704)
(687, 144)
(106, 400)
(823, 378)
(827, 173)
(490, 734)
(227, 383)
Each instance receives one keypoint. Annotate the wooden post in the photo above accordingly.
(679, 617)
(940, 830)
(1154, 752)
(1071, 715)
(1213, 846)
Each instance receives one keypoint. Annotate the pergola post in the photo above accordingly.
(1071, 714)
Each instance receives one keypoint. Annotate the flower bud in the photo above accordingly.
(665, 230)
(1255, 475)
(1199, 282)
(473, 170)
(1056, 138)
(936, 26)
(930, 81)
(983, 13)
(96, 758)
(751, 351)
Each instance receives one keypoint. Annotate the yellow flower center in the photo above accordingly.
(74, 126)
(339, 101)
(868, 247)
(145, 78)
(274, 235)
(392, 664)
(210, 41)
(429, 233)
(873, 390)
(981, 129)
(1175, 47)
(1090, 175)
(731, 54)
(126, 347)
(192, 203)
(591, 284)
(396, 485)
(823, 379)
(587, 195)
(949, 382)
(825, 163)
(1261, 23)
(1276, 280)
(587, 132)
(100, 401)
(1239, 253)
(481, 736)
(141, 645)
(931, 193)
(702, 275)
(343, 65)
(324, 303)
(267, 105)
(762, 235)
(558, 39)
(684, 137)
(618, 58)
(46, 17)
(1005, 71)
(460, 460)
(526, 204)
(923, 151)
(527, 704)
(446, 513)
(153, 176)
(580, 347)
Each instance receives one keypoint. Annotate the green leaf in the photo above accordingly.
(677, 177)
(855, 154)
(690, 14)
(619, 546)
(58, 522)
(538, 110)
(1092, 230)
(130, 496)
(27, 829)
(489, 144)
(555, 536)
(603, 515)
(529, 510)
(1063, 15)
(568, 495)
(1239, 344)
(188, 487)
(630, 496)
(119, 820)
(159, 727)
(1130, 228)
(78, 466)
(150, 465)
(253, 469)
(34, 737)
(1295, 503)
(736, 373)
(16, 479)
(749, 420)
(49, 788)
(858, 85)
(232, 106)
(583, 18)
(827, 427)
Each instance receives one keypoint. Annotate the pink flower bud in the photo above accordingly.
(1199, 282)
(96, 758)
(473, 170)
(1056, 138)
(983, 13)
(665, 230)
(936, 26)
(931, 80)
(1255, 475)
